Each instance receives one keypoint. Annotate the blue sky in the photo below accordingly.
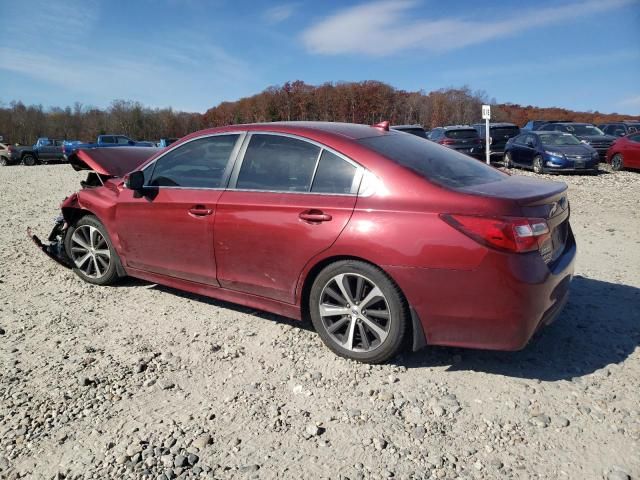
(193, 54)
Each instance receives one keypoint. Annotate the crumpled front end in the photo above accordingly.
(53, 247)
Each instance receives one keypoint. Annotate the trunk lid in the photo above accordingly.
(536, 199)
(112, 162)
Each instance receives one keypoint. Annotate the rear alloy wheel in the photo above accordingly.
(29, 160)
(506, 161)
(537, 165)
(91, 252)
(3, 162)
(358, 311)
(617, 162)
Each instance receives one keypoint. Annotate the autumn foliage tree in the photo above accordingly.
(365, 102)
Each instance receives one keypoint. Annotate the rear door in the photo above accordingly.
(288, 200)
(528, 150)
(169, 230)
(631, 155)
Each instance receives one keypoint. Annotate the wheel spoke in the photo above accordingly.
(94, 236)
(97, 267)
(352, 329)
(332, 310)
(378, 313)
(363, 336)
(335, 295)
(103, 253)
(359, 288)
(337, 325)
(80, 241)
(340, 279)
(378, 331)
(81, 261)
(374, 293)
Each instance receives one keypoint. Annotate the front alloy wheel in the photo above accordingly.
(616, 162)
(537, 165)
(358, 311)
(88, 247)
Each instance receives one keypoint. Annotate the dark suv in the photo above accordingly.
(535, 124)
(587, 132)
(499, 133)
(620, 129)
(463, 138)
(416, 130)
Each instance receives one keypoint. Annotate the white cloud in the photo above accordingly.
(280, 13)
(385, 27)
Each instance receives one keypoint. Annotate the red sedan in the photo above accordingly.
(386, 240)
(625, 152)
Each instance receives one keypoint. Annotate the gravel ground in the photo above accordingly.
(141, 381)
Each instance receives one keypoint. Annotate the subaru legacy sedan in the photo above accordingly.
(387, 241)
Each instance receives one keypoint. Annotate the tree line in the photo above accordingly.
(365, 102)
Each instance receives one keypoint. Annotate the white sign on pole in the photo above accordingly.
(486, 116)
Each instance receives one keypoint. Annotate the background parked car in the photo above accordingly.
(44, 151)
(106, 141)
(499, 133)
(535, 124)
(625, 152)
(165, 142)
(417, 130)
(587, 132)
(4, 154)
(620, 129)
(550, 152)
(463, 138)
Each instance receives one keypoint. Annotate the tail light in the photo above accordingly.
(10, 148)
(447, 141)
(512, 234)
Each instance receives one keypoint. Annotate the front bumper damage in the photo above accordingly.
(54, 249)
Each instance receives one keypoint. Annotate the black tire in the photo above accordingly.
(29, 160)
(506, 160)
(4, 162)
(109, 274)
(538, 165)
(394, 326)
(617, 162)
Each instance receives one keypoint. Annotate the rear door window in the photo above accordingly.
(501, 132)
(437, 164)
(278, 163)
(199, 163)
(458, 134)
(333, 175)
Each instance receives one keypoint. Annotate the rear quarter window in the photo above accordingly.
(438, 164)
(468, 133)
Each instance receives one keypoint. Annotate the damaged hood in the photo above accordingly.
(114, 162)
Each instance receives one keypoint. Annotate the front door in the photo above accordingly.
(169, 229)
(288, 201)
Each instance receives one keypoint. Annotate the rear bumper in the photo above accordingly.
(497, 306)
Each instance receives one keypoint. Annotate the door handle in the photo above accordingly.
(200, 211)
(315, 216)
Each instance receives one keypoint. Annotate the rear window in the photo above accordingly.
(468, 133)
(504, 131)
(438, 164)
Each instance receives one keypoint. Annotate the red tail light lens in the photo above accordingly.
(512, 234)
(10, 148)
(447, 141)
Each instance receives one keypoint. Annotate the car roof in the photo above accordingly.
(458, 127)
(498, 124)
(398, 127)
(351, 131)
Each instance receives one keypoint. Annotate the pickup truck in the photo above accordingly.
(44, 151)
(106, 141)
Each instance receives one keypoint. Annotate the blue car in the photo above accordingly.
(546, 152)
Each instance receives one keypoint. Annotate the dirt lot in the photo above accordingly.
(141, 381)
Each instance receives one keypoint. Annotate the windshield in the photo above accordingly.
(551, 139)
(438, 164)
(499, 132)
(583, 130)
(469, 133)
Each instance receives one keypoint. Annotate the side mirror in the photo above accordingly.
(530, 143)
(135, 181)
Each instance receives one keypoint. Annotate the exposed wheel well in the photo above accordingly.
(317, 268)
(72, 215)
